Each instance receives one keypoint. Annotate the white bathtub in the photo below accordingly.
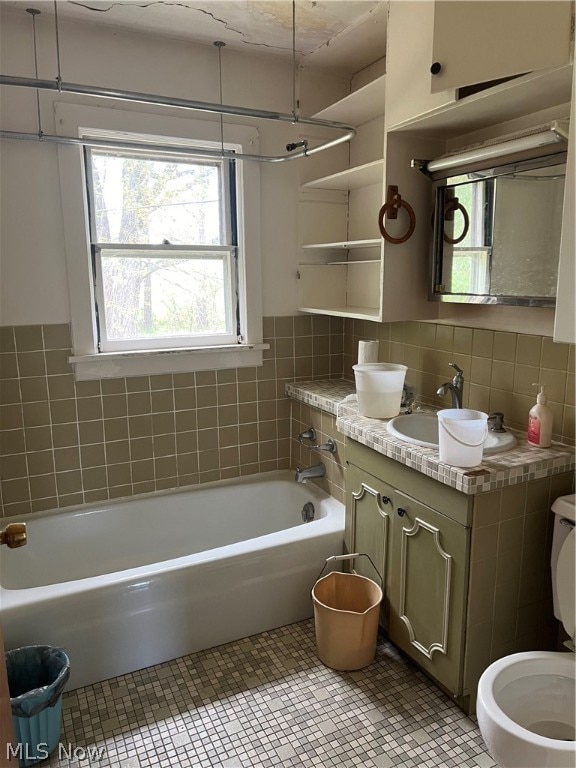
(128, 584)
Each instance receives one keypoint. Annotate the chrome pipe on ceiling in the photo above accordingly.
(152, 99)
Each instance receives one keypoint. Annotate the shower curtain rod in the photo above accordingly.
(201, 106)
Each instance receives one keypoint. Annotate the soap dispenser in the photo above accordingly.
(540, 421)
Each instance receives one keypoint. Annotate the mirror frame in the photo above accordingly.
(436, 259)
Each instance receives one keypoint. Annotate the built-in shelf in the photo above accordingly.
(358, 313)
(344, 289)
(356, 262)
(345, 245)
(352, 178)
(353, 263)
(360, 106)
(339, 286)
(514, 98)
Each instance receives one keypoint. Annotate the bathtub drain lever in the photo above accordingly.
(308, 512)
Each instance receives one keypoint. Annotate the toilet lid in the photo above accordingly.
(565, 582)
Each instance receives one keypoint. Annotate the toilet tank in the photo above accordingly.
(564, 508)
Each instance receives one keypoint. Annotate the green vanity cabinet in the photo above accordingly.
(423, 554)
(465, 575)
(368, 526)
(427, 588)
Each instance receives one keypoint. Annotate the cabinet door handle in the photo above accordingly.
(401, 512)
(435, 68)
(386, 500)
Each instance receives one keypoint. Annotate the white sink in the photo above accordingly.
(422, 429)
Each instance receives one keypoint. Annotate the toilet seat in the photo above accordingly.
(521, 698)
(565, 584)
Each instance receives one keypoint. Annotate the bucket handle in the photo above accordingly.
(354, 555)
(463, 442)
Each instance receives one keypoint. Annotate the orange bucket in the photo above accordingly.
(346, 613)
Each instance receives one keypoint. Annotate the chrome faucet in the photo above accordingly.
(317, 470)
(310, 435)
(455, 387)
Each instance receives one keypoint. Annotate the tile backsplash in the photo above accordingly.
(64, 442)
(499, 367)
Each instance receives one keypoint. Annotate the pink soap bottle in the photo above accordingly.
(540, 422)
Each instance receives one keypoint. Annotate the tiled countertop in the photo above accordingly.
(519, 465)
(324, 395)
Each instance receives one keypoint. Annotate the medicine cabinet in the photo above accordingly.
(497, 234)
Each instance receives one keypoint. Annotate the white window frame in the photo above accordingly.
(226, 250)
(79, 120)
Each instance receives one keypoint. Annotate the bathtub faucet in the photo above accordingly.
(318, 470)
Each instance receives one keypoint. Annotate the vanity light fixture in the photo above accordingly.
(542, 136)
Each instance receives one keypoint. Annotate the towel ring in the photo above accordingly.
(450, 207)
(391, 207)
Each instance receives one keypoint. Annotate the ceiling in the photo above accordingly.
(342, 34)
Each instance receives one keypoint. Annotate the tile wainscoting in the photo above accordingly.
(64, 442)
(499, 367)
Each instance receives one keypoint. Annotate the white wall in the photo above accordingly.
(33, 287)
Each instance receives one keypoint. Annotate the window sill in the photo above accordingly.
(113, 365)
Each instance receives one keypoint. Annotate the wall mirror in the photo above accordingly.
(497, 234)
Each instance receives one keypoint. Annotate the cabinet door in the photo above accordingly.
(408, 60)
(368, 512)
(565, 318)
(427, 589)
(474, 42)
(487, 40)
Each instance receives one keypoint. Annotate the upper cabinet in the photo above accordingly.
(501, 68)
(456, 44)
(565, 318)
(488, 40)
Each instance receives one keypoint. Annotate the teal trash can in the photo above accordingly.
(37, 675)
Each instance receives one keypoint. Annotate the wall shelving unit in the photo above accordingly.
(340, 272)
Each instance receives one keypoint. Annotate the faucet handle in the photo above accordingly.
(309, 434)
(497, 421)
(329, 445)
(14, 535)
(456, 368)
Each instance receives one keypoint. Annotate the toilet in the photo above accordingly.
(526, 701)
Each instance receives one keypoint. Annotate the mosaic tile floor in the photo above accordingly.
(267, 701)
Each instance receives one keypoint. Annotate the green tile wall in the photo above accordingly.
(64, 442)
(499, 367)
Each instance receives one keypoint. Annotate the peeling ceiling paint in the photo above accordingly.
(344, 34)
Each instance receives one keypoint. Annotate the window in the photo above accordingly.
(163, 242)
(162, 250)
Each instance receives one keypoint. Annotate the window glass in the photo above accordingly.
(146, 200)
(146, 296)
(163, 255)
